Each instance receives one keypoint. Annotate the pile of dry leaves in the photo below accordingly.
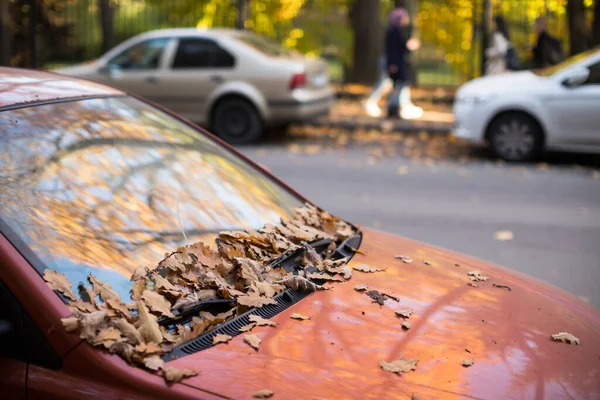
(239, 268)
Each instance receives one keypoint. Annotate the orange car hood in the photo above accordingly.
(336, 353)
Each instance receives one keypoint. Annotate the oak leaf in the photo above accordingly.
(476, 275)
(566, 337)
(406, 325)
(139, 273)
(174, 375)
(104, 290)
(219, 338)
(148, 348)
(246, 328)
(324, 277)
(391, 296)
(82, 306)
(401, 365)
(263, 394)
(467, 363)
(260, 321)
(157, 303)
(253, 341)
(299, 316)
(254, 301)
(366, 268)
(120, 307)
(91, 323)
(362, 286)
(128, 331)
(147, 325)
(70, 324)
(60, 283)
(406, 312)
(154, 363)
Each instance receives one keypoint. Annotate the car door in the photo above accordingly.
(138, 69)
(197, 68)
(574, 111)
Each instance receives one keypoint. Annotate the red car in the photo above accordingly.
(94, 180)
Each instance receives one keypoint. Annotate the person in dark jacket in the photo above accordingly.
(397, 47)
(547, 50)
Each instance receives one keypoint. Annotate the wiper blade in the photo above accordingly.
(186, 313)
(290, 260)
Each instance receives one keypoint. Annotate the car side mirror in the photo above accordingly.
(576, 77)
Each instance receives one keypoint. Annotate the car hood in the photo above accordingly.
(507, 82)
(336, 353)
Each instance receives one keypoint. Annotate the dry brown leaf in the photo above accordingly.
(268, 289)
(70, 324)
(260, 321)
(566, 337)
(174, 375)
(476, 275)
(91, 323)
(82, 306)
(253, 341)
(137, 289)
(406, 325)
(104, 290)
(154, 363)
(120, 307)
(157, 303)
(299, 316)
(254, 301)
(407, 260)
(346, 272)
(246, 328)
(324, 277)
(401, 365)
(147, 325)
(366, 268)
(362, 286)
(128, 331)
(467, 363)
(139, 273)
(148, 348)
(219, 338)
(406, 312)
(60, 283)
(427, 262)
(473, 284)
(263, 394)
(391, 296)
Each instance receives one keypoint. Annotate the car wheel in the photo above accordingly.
(515, 137)
(236, 121)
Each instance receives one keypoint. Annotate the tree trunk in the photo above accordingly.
(106, 22)
(367, 30)
(596, 25)
(242, 14)
(578, 36)
(5, 34)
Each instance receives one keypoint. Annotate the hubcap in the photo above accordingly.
(514, 139)
(237, 121)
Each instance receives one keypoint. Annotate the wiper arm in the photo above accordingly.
(186, 313)
(290, 260)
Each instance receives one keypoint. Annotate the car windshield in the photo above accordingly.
(265, 45)
(549, 71)
(104, 186)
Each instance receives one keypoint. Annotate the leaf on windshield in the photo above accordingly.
(107, 337)
(104, 290)
(362, 286)
(260, 321)
(253, 341)
(219, 338)
(91, 323)
(263, 394)
(366, 268)
(147, 325)
(246, 328)
(267, 289)
(138, 288)
(82, 306)
(60, 283)
(128, 331)
(254, 301)
(174, 375)
(299, 316)
(566, 337)
(476, 275)
(401, 365)
(157, 303)
(405, 312)
(139, 273)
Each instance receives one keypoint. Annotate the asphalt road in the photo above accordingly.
(553, 210)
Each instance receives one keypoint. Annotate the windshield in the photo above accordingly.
(548, 71)
(265, 45)
(108, 185)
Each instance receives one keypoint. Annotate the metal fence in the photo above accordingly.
(49, 33)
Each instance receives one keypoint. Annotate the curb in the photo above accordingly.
(383, 125)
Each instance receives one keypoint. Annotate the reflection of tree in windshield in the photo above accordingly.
(112, 183)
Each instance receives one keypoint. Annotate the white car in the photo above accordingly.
(234, 82)
(521, 114)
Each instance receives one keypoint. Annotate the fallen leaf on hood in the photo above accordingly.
(254, 301)
(154, 363)
(502, 287)
(297, 282)
(103, 289)
(246, 328)
(476, 275)
(566, 338)
(377, 297)
(70, 324)
(148, 348)
(324, 277)
(91, 323)
(427, 262)
(219, 338)
(400, 365)
(406, 312)
(407, 260)
(366, 268)
(473, 284)
(157, 303)
(503, 236)
(82, 306)
(147, 325)
(109, 334)
(346, 272)
(60, 283)
(362, 286)
(260, 321)
(128, 331)
(174, 375)
(253, 341)
(263, 394)
(467, 363)
(406, 325)
(299, 316)
(391, 296)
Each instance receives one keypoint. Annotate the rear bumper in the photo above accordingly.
(301, 108)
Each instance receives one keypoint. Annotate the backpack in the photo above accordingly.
(512, 59)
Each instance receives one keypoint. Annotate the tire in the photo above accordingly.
(236, 121)
(515, 136)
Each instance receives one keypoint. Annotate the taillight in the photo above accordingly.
(298, 81)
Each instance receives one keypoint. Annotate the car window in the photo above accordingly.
(201, 53)
(266, 46)
(594, 78)
(141, 56)
(104, 186)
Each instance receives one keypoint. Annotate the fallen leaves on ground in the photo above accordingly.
(239, 269)
(504, 236)
(377, 297)
(406, 325)
(253, 341)
(366, 268)
(467, 363)
(263, 394)
(405, 312)
(390, 296)
(299, 316)
(566, 337)
(476, 275)
(401, 365)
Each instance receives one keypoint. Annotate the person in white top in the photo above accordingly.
(496, 54)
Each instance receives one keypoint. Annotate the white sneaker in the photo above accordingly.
(411, 112)
(372, 109)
